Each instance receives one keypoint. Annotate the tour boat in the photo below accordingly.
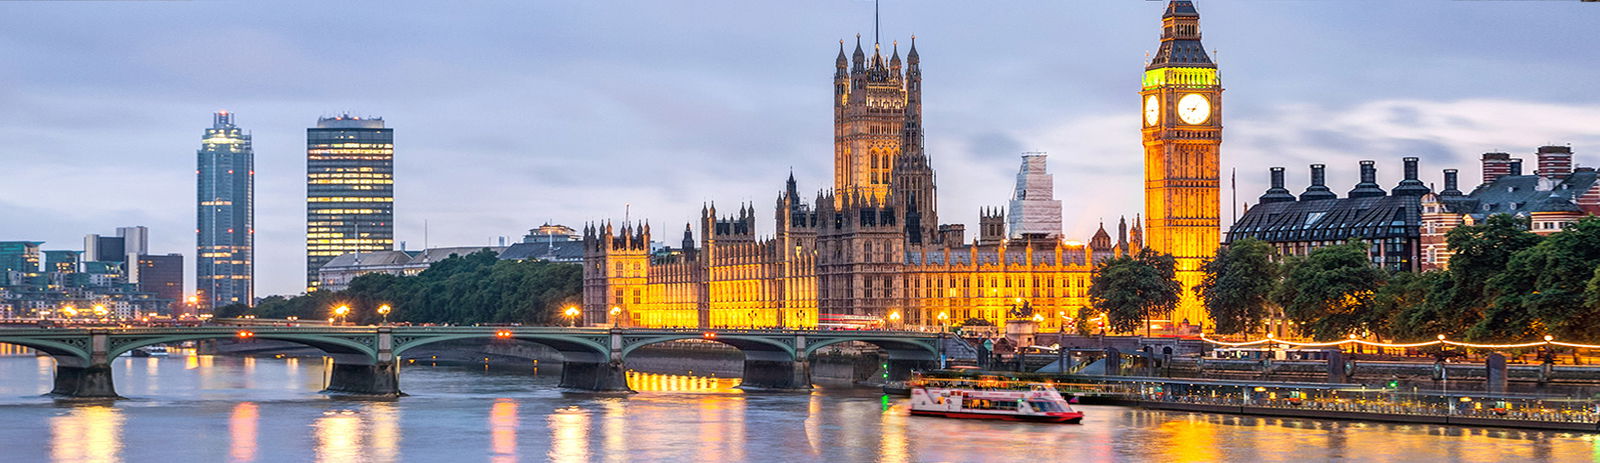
(1039, 403)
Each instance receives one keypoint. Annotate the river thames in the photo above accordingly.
(205, 408)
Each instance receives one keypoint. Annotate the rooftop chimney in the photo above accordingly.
(1450, 184)
(1277, 193)
(1411, 186)
(1319, 186)
(1496, 165)
(1516, 167)
(1555, 162)
(1368, 188)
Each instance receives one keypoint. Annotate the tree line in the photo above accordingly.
(1503, 284)
(471, 289)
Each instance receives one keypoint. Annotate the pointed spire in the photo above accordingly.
(841, 62)
(895, 55)
(911, 55)
(859, 58)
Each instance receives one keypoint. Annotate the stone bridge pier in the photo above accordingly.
(586, 369)
(80, 377)
(357, 373)
(771, 368)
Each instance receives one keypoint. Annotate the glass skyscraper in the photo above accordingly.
(349, 190)
(225, 220)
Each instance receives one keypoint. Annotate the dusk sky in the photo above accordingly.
(511, 114)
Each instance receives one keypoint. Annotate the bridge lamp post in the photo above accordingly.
(100, 310)
(384, 311)
(572, 316)
(616, 320)
(69, 311)
(341, 311)
(894, 318)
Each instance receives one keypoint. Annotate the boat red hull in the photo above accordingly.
(1064, 418)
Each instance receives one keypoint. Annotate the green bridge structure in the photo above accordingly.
(366, 360)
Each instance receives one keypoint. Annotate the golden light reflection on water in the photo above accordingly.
(1189, 440)
(384, 439)
(338, 435)
(813, 423)
(242, 431)
(13, 349)
(503, 431)
(90, 433)
(569, 435)
(615, 426)
(655, 382)
(892, 445)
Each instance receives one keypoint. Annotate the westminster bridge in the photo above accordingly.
(366, 359)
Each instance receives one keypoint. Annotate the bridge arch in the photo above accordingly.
(753, 347)
(64, 353)
(572, 348)
(897, 348)
(342, 350)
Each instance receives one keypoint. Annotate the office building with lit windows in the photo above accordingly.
(225, 217)
(349, 190)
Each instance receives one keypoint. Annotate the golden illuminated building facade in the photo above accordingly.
(349, 190)
(1182, 119)
(870, 252)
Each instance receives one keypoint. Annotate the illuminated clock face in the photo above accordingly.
(1194, 108)
(1152, 110)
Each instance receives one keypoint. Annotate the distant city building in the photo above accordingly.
(18, 259)
(1034, 209)
(61, 261)
(349, 190)
(1390, 222)
(224, 216)
(27, 290)
(161, 275)
(1557, 194)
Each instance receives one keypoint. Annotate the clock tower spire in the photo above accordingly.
(1182, 119)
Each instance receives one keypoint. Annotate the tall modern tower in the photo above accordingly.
(349, 190)
(225, 216)
(1182, 102)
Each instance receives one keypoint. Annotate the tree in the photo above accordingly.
(1131, 290)
(1478, 253)
(1237, 286)
(1406, 307)
(461, 289)
(1542, 289)
(1329, 292)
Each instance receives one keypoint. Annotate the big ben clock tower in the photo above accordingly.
(1182, 118)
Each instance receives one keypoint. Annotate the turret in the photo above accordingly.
(1555, 162)
(1368, 188)
(1411, 186)
(1495, 165)
(1450, 187)
(1319, 186)
(859, 58)
(894, 61)
(1277, 193)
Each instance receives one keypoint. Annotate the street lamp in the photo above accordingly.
(615, 321)
(384, 311)
(70, 311)
(100, 310)
(572, 315)
(894, 317)
(341, 311)
(944, 318)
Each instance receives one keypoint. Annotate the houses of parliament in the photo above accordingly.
(871, 250)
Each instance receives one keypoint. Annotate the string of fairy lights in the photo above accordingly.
(1270, 339)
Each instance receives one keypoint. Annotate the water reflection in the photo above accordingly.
(89, 433)
(242, 431)
(384, 440)
(503, 431)
(615, 426)
(569, 434)
(338, 435)
(893, 446)
(656, 382)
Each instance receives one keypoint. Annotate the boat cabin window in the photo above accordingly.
(1043, 406)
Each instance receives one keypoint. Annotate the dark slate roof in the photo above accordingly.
(1180, 8)
(1187, 53)
(556, 251)
(1330, 219)
(1521, 194)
